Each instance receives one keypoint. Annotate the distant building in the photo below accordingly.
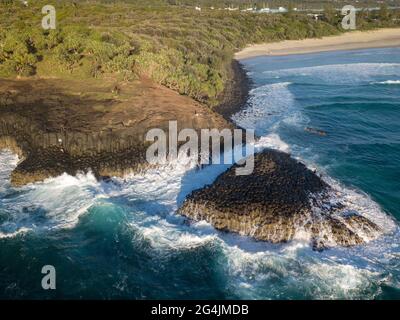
(315, 16)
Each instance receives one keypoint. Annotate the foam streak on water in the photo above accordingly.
(349, 73)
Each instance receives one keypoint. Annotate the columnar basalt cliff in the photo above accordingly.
(275, 203)
(59, 126)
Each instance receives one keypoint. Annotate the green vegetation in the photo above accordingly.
(176, 46)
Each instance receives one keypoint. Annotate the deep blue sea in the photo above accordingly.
(123, 240)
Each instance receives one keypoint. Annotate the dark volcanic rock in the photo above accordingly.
(236, 91)
(73, 126)
(274, 204)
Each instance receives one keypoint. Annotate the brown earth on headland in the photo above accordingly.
(68, 126)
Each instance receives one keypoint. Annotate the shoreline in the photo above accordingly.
(81, 144)
(236, 92)
(100, 155)
(381, 38)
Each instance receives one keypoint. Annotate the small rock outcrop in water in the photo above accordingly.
(275, 203)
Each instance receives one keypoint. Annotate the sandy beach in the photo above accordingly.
(349, 41)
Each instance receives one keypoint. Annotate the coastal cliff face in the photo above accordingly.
(281, 200)
(58, 126)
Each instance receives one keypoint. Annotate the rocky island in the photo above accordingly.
(277, 202)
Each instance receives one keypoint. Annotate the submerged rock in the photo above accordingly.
(277, 202)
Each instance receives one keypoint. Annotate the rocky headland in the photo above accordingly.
(58, 126)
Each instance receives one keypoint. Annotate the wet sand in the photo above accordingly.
(349, 41)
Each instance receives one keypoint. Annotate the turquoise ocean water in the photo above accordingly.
(122, 240)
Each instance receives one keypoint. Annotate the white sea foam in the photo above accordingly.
(357, 201)
(14, 234)
(163, 236)
(169, 184)
(339, 73)
(54, 203)
(8, 162)
(59, 202)
(272, 141)
(295, 268)
(268, 107)
(387, 82)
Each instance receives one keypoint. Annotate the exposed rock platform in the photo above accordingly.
(59, 125)
(276, 203)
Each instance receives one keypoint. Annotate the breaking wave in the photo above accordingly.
(387, 82)
(268, 107)
(350, 73)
